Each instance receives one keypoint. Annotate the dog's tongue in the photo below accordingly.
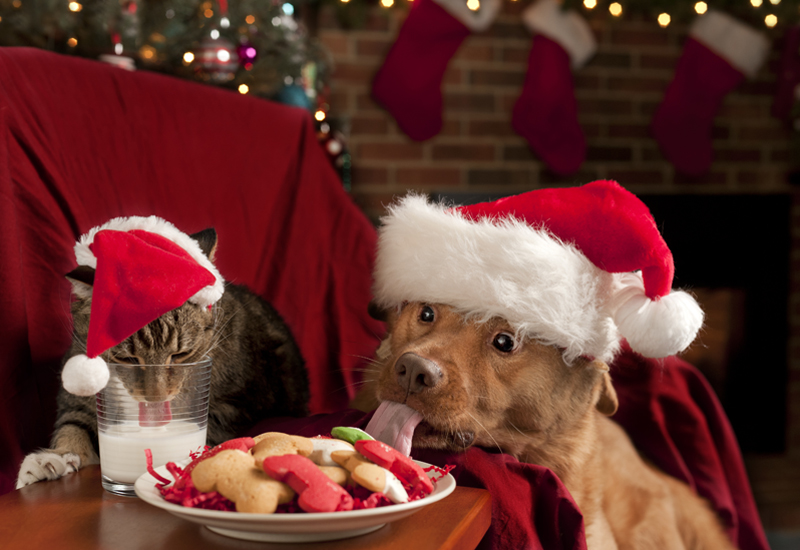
(155, 414)
(393, 423)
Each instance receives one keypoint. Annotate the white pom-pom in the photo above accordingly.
(658, 328)
(84, 376)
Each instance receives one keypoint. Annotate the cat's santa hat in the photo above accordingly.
(144, 268)
(578, 268)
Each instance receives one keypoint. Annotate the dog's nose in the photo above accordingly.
(415, 373)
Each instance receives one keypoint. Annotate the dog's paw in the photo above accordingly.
(46, 465)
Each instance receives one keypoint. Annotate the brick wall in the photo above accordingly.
(617, 92)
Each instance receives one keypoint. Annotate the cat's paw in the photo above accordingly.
(46, 465)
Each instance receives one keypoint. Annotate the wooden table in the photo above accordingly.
(75, 512)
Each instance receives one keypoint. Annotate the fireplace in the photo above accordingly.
(734, 251)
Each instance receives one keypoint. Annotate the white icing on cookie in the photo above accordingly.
(323, 447)
(394, 489)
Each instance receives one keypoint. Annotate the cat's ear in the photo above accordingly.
(207, 238)
(82, 280)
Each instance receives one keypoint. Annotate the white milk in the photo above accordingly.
(122, 448)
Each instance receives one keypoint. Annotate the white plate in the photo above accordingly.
(300, 527)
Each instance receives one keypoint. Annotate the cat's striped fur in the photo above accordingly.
(257, 369)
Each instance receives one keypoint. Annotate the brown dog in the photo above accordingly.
(474, 384)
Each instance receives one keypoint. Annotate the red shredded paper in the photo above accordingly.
(183, 492)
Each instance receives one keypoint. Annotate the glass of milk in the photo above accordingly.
(163, 408)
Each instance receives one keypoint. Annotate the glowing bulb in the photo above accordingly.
(16, 3)
(75, 6)
(319, 115)
(148, 52)
(771, 20)
(118, 48)
(244, 88)
(664, 19)
(387, 3)
(188, 57)
(774, 2)
(209, 13)
(345, 1)
(590, 4)
(224, 22)
(473, 4)
(214, 34)
(615, 9)
(701, 7)
(72, 42)
(224, 55)
(250, 19)
(756, 3)
(287, 8)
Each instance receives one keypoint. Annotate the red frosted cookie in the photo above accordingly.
(396, 462)
(317, 493)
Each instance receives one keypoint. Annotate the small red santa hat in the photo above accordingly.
(144, 268)
(579, 268)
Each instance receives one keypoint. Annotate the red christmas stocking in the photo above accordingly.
(717, 56)
(409, 82)
(546, 113)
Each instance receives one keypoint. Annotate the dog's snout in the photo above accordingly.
(415, 373)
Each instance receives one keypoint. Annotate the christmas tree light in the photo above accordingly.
(615, 9)
(664, 19)
(701, 8)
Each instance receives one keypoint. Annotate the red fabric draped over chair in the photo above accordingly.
(82, 142)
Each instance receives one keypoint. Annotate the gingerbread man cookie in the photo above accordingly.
(277, 444)
(235, 475)
(371, 476)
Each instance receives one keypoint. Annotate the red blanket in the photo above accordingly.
(672, 415)
(82, 142)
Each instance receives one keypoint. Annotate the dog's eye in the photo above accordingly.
(426, 314)
(503, 342)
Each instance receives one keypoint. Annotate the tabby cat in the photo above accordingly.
(257, 368)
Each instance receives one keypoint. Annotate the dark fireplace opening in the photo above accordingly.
(732, 252)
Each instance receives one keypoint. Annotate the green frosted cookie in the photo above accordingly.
(351, 435)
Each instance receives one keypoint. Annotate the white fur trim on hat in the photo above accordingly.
(742, 46)
(84, 376)
(546, 289)
(567, 28)
(153, 224)
(478, 20)
(654, 328)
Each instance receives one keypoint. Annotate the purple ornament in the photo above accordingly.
(247, 54)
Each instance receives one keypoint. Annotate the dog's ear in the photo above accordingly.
(608, 403)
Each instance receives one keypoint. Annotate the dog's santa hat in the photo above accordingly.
(579, 268)
(144, 268)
